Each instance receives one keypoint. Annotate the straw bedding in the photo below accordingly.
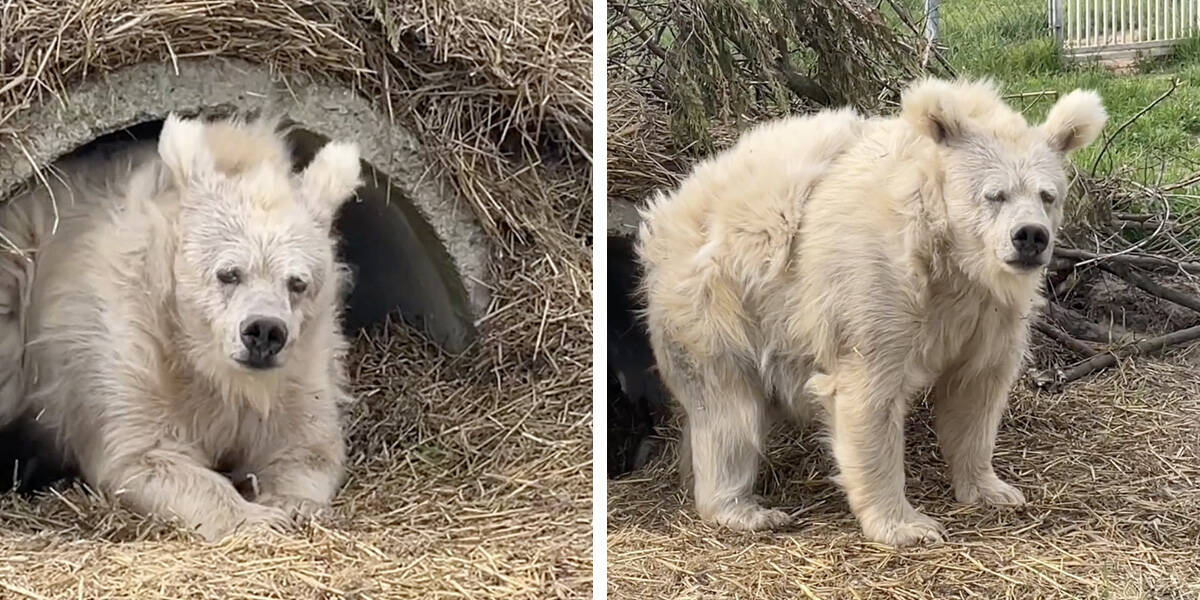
(1111, 464)
(470, 475)
(1111, 468)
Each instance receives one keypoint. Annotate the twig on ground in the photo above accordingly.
(1156, 263)
(1108, 359)
(1079, 326)
(1153, 288)
(1036, 95)
(1188, 181)
(1129, 216)
(1141, 225)
(1064, 339)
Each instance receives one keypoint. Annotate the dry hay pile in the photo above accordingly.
(470, 476)
(1111, 469)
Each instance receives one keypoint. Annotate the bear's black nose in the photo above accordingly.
(1030, 241)
(263, 337)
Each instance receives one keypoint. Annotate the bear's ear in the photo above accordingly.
(1075, 121)
(330, 179)
(183, 150)
(929, 107)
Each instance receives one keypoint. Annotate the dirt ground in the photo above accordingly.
(1110, 466)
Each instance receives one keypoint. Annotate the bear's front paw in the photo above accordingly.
(252, 518)
(293, 506)
(911, 529)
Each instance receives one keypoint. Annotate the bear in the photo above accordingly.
(833, 266)
(180, 307)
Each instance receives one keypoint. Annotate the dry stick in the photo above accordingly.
(1034, 95)
(1142, 225)
(1108, 359)
(1137, 260)
(1128, 216)
(650, 43)
(1185, 182)
(1086, 329)
(930, 47)
(1103, 361)
(1151, 287)
(1108, 142)
(1064, 339)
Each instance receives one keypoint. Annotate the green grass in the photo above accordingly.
(1010, 41)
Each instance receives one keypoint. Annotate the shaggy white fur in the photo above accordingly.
(180, 314)
(843, 263)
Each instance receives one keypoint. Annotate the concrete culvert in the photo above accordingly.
(414, 250)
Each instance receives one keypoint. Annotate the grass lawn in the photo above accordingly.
(1010, 41)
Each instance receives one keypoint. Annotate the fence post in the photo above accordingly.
(932, 23)
(1056, 21)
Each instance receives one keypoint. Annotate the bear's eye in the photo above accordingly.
(297, 285)
(229, 276)
(1047, 197)
(995, 197)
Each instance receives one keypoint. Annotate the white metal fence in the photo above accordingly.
(1117, 28)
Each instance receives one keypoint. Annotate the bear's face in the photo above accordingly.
(252, 279)
(254, 265)
(1004, 181)
(1005, 200)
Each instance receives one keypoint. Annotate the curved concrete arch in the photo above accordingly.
(414, 246)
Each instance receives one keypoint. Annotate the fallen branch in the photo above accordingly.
(1142, 261)
(1190, 180)
(1142, 225)
(1108, 359)
(1153, 288)
(642, 34)
(1064, 339)
(1034, 95)
(1082, 328)
(1139, 217)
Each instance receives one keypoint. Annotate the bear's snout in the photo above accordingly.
(1030, 241)
(263, 337)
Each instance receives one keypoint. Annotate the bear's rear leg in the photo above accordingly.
(726, 429)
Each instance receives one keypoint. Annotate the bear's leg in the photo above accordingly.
(301, 481)
(169, 483)
(306, 467)
(685, 457)
(867, 434)
(725, 427)
(967, 412)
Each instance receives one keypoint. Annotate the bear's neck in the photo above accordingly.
(959, 272)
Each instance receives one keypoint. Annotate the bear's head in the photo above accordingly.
(255, 272)
(1004, 181)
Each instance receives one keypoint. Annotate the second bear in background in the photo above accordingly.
(843, 264)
